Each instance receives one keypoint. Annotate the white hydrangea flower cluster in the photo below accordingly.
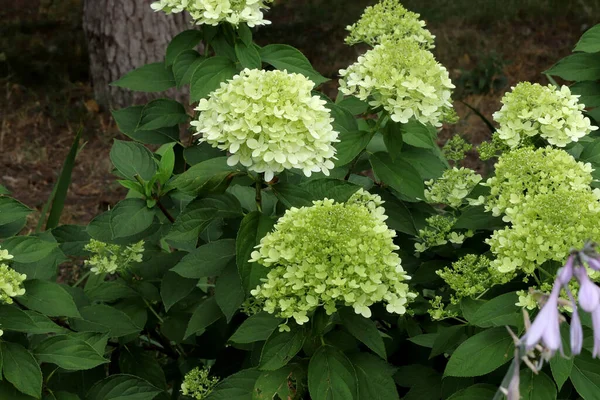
(531, 109)
(452, 187)
(332, 254)
(197, 384)
(404, 79)
(11, 282)
(213, 12)
(111, 258)
(269, 121)
(388, 19)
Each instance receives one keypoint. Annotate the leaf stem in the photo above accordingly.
(83, 278)
(153, 311)
(259, 182)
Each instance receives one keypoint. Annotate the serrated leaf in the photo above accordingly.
(280, 348)
(229, 291)
(203, 176)
(68, 353)
(351, 144)
(398, 174)
(186, 40)
(374, 377)
(209, 75)
(536, 386)
(499, 311)
(207, 260)
(123, 387)
(256, 328)
(127, 120)
(116, 322)
(248, 55)
(21, 369)
(590, 41)
(284, 57)
(155, 77)
(12, 210)
(585, 376)
(207, 313)
(577, 67)
(174, 288)
(130, 217)
(162, 113)
(132, 159)
(238, 386)
(185, 65)
(28, 249)
(334, 189)
(48, 298)
(331, 375)
(254, 227)
(364, 330)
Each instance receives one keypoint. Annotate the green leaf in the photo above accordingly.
(132, 159)
(280, 348)
(174, 288)
(426, 162)
(229, 291)
(585, 376)
(589, 92)
(248, 55)
(148, 78)
(15, 319)
(591, 152)
(416, 134)
(204, 176)
(561, 367)
(68, 353)
(28, 249)
(292, 195)
(12, 210)
(590, 41)
(350, 145)
(209, 75)
(284, 57)
(256, 328)
(481, 354)
(254, 227)
(12, 228)
(375, 380)
(130, 217)
(166, 164)
(354, 105)
(123, 387)
(500, 311)
(135, 361)
(475, 392)
(21, 369)
(238, 386)
(399, 217)
(8, 391)
(61, 396)
(186, 40)
(72, 239)
(162, 113)
(49, 298)
(425, 340)
(127, 120)
(4, 190)
(343, 120)
(185, 65)
(114, 321)
(207, 313)
(280, 382)
(335, 189)
(392, 137)
(577, 67)
(446, 339)
(331, 375)
(207, 260)
(399, 174)
(476, 218)
(364, 330)
(536, 386)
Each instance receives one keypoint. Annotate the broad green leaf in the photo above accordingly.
(72, 239)
(185, 65)
(256, 328)
(21, 369)
(280, 348)
(248, 55)
(60, 396)
(15, 319)
(590, 41)
(536, 386)
(207, 260)
(500, 311)
(238, 386)
(426, 162)
(280, 382)
(354, 105)
(127, 120)
(375, 380)
(132, 159)
(207, 313)
(351, 144)
(476, 392)
(49, 298)
(4, 190)
(589, 92)
(481, 354)
(398, 174)
(12, 210)
(68, 353)
(392, 137)
(475, 218)
(186, 40)
(418, 135)
(209, 75)
(561, 367)
(9, 392)
(12, 228)
(585, 376)
(364, 330)
(591, 152)
(399, 217)
(116, 322)
(123, 387)
(98, 341)
(577, 67)
(154, 77)
(28, 249)
(343, 120)
(335, 189)
(446, 339)
(254, 227)
(174, 287)
(162, 113)
(135, 361)
(166, 164)
(130, 217)
(425, 340)
(204, 176)
(109, 291)
(201, 152)
(229, 291)
(292, 195)
(245, 33)
(284, 57)
(331, 375)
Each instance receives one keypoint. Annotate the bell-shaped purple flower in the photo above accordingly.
(545, 328)
(594, 263)
(596, 326)
(576, 331)
(589, 293)
(566, 273)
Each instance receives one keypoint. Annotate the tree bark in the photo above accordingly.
(123, 35)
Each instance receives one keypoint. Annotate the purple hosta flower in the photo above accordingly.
(594, 263)
(545, 328)
(589, 293)
(576, 331)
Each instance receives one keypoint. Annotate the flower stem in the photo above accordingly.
(83, 278)
(258, 198)
(153, 311)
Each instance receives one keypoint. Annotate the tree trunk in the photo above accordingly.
(123, 35)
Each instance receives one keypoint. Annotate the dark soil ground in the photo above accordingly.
(45, 93)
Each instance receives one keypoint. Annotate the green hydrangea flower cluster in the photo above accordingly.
(213, 12)
(531, 109)
(439, 232)
(269, 121)
(492, 148)
(404, 79)
(389, 19)
(331, 254)
(110, 258)
(197, 384)
(526, 172)
(452, 187)
(546, 227)
(456, 148)
(439, 310)
(11, 282)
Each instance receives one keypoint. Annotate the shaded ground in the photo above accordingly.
(45, 93)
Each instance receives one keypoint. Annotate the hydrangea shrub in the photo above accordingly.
(293, 246)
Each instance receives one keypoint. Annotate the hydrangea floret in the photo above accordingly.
(455, 148)
(492, 148)
(438, 232)
(213, 12)
(389, 19)
(404, 79)
(197, 384)
(269, 121)
(452, 187)
(531, 109)
(111, 258)
(332, 254)
(11, 281)
(526, 172)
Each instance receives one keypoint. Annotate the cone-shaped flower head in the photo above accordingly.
(111, 258)
(545, 329)
(269, 121)
(331, 254)
(197, 384)
(11, 282)
(533, 109)
(213, 12)
(527, 172)
(404, 79)
(452, 187)
(388, 19)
